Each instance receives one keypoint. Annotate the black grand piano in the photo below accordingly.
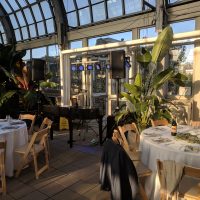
(71, 113)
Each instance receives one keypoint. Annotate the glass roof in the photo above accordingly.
(84, 12)
(30, 19)
(33, 19)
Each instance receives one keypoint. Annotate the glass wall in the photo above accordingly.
(181, 58)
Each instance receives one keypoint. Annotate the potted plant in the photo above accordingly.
(144, 97)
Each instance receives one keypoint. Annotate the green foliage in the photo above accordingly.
(144, 99)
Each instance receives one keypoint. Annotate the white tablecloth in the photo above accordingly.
(157, 143)
(14, 137)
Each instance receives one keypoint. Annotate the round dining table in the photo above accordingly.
(14, 132)
(157, 143)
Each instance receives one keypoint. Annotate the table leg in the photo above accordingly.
(100, 130)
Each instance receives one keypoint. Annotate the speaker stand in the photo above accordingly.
(118, 93)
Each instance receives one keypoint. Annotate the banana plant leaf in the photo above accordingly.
(138, 80)
(45, 84)
(6, 96)
(144, 59)
(162, 78)
(162, 44)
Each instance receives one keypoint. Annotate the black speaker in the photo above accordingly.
(117, 62)
(37, 66)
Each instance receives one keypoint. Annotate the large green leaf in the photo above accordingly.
(162, 44)
(138, 80)
(133, 89)
(6, 96)
(144, 59)
(162, 78)
(48, 84)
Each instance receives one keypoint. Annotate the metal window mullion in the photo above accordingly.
(44, 19)
(22, 11)
(14, 13)
(123, 7)
(32, 13)
(106, 8)
(143, 6)
(77, 14)
(91, 12)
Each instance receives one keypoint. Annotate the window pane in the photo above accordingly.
(37, 13)
(110, 38)
(148, 32)
(13, 21)
(84, 16)
(132, 6)
(98, 12)
(25, 33)
(53, 50)
(114, 8)
(20, 17)
(96, 1)
(14, 5)
(46, 9)
(72, 19)
(82, 3)
(28, 15)
(39, 52)
(183, 26)
(6, 6)
(32, 31)
(17, 35)
(4, 38)
(31, 1)
(69, 5)
(22, 3)
(76, 44)
(50, 26)
(27, 56)
(41, 29)
(181, 58)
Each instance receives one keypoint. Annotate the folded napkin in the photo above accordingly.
(172, 173)
(161, 140)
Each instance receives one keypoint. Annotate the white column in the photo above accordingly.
(196, 78)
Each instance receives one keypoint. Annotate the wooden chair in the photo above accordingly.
(191, 193)
(195, 124)
(130, 140)
(159, 122)
(30, 120)
(30, 151)
(2, 166)
(46, 123)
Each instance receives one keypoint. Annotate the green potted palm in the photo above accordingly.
(144, 96)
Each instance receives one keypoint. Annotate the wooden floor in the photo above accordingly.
(73, 173)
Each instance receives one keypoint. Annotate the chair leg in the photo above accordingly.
(142, 192)
(3, 176)
(19, 168)
(35, 165)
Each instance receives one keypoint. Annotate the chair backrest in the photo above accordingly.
(187, 171)
(46, 123)
(195, 124)
(30, 120)
(159, 122)
(37, 137)
(130, 136)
